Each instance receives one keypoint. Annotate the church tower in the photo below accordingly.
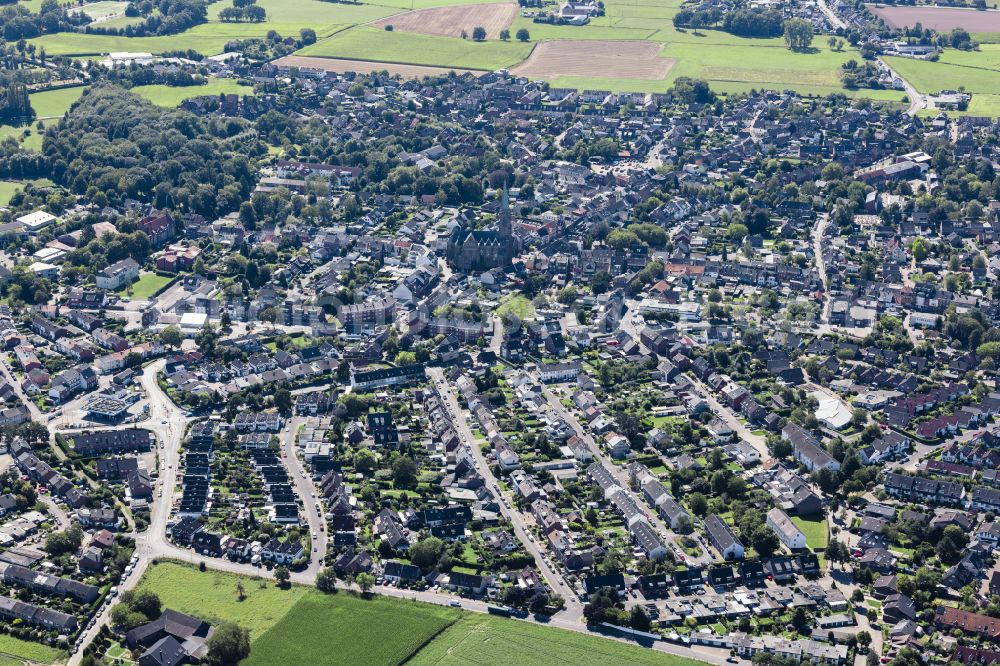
(503, 225)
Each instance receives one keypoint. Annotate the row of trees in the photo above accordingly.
(162, 17)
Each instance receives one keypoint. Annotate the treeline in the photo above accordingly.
(741, 22)
(162, 17)
(15, 106)
(18, 22)
(114, 145)
(243, 11)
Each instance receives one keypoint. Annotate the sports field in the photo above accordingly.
(168, 96)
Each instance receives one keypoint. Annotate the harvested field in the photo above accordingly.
(942, 19)
(451, 21)
(627, 59)
(341, 65)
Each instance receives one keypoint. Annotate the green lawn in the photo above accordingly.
(484, 639)
(17, 651)
(54, 103)
(211, 595)
(169, 96)
(147, 285)
(344, 629)
(816, 531)
(518, 305)
(7, 189)
(366, 43)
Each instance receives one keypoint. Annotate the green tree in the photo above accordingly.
(798, 34)
(228, 645)
(522, 35)
(365, 581)
(171, 336)
(426, 552)
(479, 33)
(698, 504)
(282, 575)
(404, 472)
(326, 580)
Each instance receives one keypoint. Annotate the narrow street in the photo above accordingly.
(312, 506)
(620, 475)
(516, 518)
(819, 240)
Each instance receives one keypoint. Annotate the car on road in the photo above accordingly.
(456, 604)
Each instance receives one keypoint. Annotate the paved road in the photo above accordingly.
(918, 100)
(306, 490)
(819, 240)
(521, 529)
(620, 474)
(170, 424)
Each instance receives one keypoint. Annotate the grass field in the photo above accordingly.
(54, 103)
(303, 626)
(482, 639)
(211, 595)
(932, 77)
(103, 9)
(7, 189)
(16, 651)
(519, 306)
(817, 534)
(286, 17)
(365, 43)
(147, 285)
(376, 631)
(169, 96)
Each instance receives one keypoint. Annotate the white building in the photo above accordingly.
(790, 535)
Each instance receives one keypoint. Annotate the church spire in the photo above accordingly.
(503, 226)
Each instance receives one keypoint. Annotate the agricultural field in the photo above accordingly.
(286, 17)
(816, 531)
(392, 629)
(170, 96)
(484, 639)
(146, 286)
(942, 19)
(368, 43)
(454, 20)
(634, 60)
(932, 77)
(361, 66)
